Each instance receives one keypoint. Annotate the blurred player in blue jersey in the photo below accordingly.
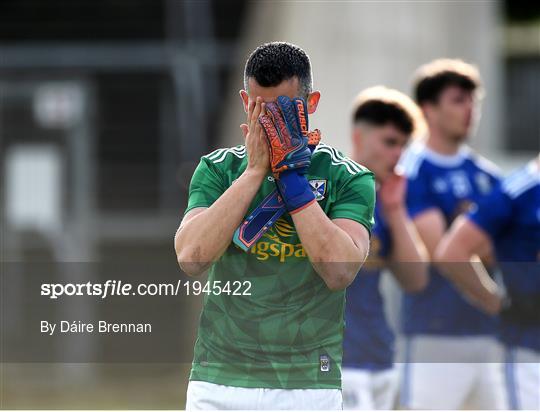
(383, 122)
(510, 217)
(450, 347)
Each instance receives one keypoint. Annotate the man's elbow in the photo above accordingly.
(192, 269)
(340, 278)
(190, 263)
(338, 282)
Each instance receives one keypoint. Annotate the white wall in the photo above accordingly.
(354, 45)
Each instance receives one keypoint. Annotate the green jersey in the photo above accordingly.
(283, 328)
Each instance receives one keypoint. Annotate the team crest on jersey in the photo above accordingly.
(324, 362)
(460, 184)
(483, 183)
(440, 185)
(318, 186)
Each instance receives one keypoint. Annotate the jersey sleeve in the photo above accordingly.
(206, 186)
(356, 200)
(493, 212)
(419, 196)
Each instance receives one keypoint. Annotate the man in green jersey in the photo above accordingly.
(270, 334)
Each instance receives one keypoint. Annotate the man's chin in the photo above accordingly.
(461, 137)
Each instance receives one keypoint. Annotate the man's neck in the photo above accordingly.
(441, 144)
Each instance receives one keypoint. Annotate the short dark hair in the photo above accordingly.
(380, 106)
(432, 78)
(272, 63)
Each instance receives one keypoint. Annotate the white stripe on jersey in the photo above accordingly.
(214, 154)
(218, 156)
(487, 165)
(521, 181)
(336, 155)
(338, 159)
(412, 159)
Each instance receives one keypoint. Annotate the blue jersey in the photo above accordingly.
(368, 340)
(451, 184)
(511, 217)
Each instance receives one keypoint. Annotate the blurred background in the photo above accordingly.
(107, 105)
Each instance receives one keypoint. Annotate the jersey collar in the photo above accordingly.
(447, 160)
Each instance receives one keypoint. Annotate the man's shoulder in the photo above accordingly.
(419, 160)
(520, 181)
(226, 155)
(329, 157)
(485, 165)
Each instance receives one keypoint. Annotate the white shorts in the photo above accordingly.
(522, 378)
(210, 396)
(470, 374)
(369, 390)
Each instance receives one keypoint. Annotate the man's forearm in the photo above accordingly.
(454, 257)
(333, 253)
(408, 259)
(474, 282)
(203, 238)
(431, 228)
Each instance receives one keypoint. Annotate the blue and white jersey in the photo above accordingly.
(510, 215)
(368, 341)
(451, 184)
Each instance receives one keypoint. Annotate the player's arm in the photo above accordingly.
(431, 226)
(428, 219)
(423, 208)
(457, 253)
(408, 256)
(205, 233)
(338, 244)
(336, 248)
(456, 256)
